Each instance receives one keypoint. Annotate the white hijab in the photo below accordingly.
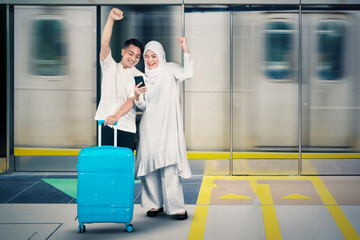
(157, 48)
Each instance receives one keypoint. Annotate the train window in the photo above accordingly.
(278, 50)
(331, 36)
(48, 50)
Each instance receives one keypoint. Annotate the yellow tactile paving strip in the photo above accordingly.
(268, 191)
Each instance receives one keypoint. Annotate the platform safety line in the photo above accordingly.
(198, 223)
(272, 229)
(271, 224)
(338, 215)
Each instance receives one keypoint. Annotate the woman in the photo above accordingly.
(161, 153)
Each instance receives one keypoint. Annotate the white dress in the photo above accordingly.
(162, 141)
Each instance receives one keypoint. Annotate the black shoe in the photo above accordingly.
(154, 213)
(182, 216)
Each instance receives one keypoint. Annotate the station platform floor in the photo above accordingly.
(43, 206)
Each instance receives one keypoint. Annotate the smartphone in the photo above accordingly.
(139, 79)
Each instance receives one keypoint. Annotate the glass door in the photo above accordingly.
(207, 95)
(265, 92)
(241, 107)
(330, 92)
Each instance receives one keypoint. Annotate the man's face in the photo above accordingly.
(130, 56)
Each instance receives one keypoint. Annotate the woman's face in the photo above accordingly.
(151, 59)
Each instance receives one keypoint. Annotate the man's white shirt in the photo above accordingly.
(117, 86)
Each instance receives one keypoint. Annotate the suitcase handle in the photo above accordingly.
(103, 121)
(99, 132)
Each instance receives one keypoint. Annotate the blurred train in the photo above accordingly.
(261, 50)
(330, 80)
(55, 76)
(280, 84)
(55, 69)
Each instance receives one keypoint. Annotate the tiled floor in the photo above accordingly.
(34, 206)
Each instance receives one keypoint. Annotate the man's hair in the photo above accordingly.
(135, 42)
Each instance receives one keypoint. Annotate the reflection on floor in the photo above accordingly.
(220, 207)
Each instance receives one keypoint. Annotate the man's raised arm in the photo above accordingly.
(114, 15)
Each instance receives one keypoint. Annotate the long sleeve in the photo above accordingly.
(141, 103)
(186, 72)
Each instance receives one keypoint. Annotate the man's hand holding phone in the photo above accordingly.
(140, 87)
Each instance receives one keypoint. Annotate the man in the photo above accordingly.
(117, 87)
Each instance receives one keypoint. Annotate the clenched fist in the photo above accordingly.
(183, 43)
(116, 14)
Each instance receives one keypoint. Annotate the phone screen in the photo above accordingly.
(139, 79)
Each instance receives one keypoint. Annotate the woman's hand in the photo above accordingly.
(138, 91)
(116, 14)
(183, 44)
(111, 120)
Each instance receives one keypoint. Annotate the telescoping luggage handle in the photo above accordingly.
(99, 133)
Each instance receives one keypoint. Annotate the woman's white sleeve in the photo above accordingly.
(186, 72)
(141, 103)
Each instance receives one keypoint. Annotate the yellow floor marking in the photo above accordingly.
(198, 223)
(323, 192)
(338, 215)
(343, 223)
(234, 196)
(205, 191)
(271, 224)
(262, 191)
(296, 196)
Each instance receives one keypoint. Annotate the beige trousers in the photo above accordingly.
(163, 188)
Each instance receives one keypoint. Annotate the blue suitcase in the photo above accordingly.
(105, 190)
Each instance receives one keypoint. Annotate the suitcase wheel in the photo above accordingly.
(82, 228)
(129, 228)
